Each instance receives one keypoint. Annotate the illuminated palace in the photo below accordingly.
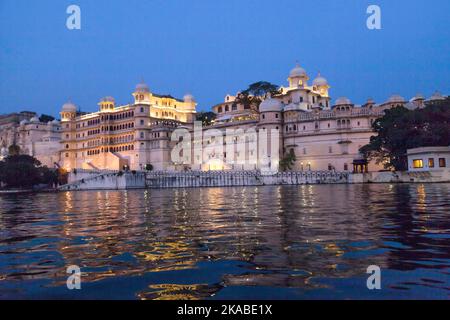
(33, 137)
(322, 135)
(128, 136)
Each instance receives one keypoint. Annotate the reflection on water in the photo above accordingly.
(287, 242)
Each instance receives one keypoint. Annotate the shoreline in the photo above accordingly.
(11, 192)
(21, 191)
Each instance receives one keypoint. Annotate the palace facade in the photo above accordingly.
(125, 136)
(41, 140)
(322, 135)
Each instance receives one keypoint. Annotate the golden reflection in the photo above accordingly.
(178, 292)
(284, 236)
(421, 198)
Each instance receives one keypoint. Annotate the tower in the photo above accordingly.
(107, 104)
(298, 77)
(142, 94)
(68, 151)
(320, 84)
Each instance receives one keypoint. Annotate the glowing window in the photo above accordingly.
(431, 162)
(418, 163)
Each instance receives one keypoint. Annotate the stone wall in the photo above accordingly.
(401, 177)
(240, 178)
(116, 180)
(106, 181)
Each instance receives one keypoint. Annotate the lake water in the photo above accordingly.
(274, 242)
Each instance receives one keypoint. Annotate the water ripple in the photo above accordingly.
(290, 242)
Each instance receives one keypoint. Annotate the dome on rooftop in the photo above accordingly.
(69, 107)
(437, 96)
(270, 105)
(142, 87)
(320, 81)
(108, 99)
(188, 98)
(297, 72)
(342, 101)
(396, 98)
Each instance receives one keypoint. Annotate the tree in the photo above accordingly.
(206, 117)
(14, 150)
(46, 118)
(63, 176)
(23, 171)
(401, 129)
(252, 97)
(288, 161)
(20, 171)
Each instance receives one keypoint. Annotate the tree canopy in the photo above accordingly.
(206, 117)
(23, 171)
(288, 161)
(46, 118)
(401, 129)
(252, 97)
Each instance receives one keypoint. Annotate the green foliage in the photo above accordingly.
(46, 118)
(14, 150)
(206, 117)
(23, 171)
(63, 176)
(401, 129)
(149, 167)
(252, 97)
(288, 161)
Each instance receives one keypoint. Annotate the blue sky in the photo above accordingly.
(211, 48)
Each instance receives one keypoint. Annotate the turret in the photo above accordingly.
(107, 104)
(142, 94)
(298, 77)
(320, 84)
(68, 111)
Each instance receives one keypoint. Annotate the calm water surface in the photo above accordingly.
(275, 242)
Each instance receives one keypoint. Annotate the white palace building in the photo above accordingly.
(323, 135)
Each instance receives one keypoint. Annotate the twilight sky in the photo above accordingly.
(211, 48)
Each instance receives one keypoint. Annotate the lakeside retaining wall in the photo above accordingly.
(240, 178)
(106, 181)
(115, 180)
(401, 177)
(110, 180)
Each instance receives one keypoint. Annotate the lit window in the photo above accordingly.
(431, 162)
(418, 163)
(442, 163)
